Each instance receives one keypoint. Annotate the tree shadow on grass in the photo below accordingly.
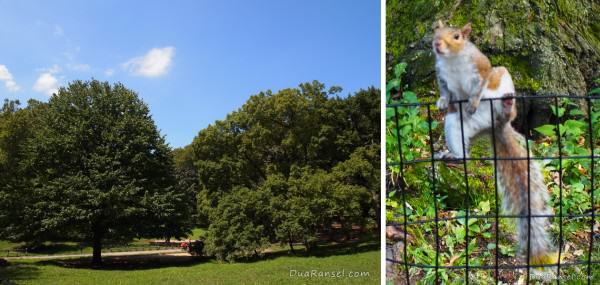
(153, 261)
(132, 262)
(14, 273)
(359, 245)
(56, 248)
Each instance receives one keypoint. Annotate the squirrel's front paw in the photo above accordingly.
(444, 154)
(442, 103)
(472, 107)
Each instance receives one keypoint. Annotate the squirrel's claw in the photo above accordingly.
(472, 106)
(471, 109)
(442, 103)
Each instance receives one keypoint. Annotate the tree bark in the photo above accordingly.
(307, 246)
(290, 241)
(376, 203)
(97, 246)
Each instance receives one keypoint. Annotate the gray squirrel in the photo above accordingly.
(464, 73)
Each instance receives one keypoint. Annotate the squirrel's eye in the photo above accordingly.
(456, 36)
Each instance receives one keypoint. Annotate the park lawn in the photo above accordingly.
(275, 270)
(7, 245)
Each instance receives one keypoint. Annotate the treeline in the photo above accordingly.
(286, 167)
(90, 166)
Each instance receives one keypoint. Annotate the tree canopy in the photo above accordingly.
(93, 167)
(288, 165)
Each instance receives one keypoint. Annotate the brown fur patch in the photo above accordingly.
(445, 37)
(454, 46)
(494, 78)
(513, 170)
(483, 65)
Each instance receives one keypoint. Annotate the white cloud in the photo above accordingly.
(47, 82)
(53, 69)
(153, 64)
(58, 31)
(78, 66)
(8, 79)
(109, 72)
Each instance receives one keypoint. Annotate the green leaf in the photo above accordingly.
(547, 130)
(393, 84)
(560, 113)
(400, 69)
(595, 91)
(410, 97)
(577, 112)
(459, 234)
(561, 129)
(389, 113)
(475, 228)
(577, 187)
(485, 206)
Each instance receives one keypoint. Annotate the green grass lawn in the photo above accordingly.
(273, 269)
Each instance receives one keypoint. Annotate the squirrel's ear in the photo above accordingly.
(466, 30)
(439, 24)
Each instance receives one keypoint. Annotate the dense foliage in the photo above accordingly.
(287, 166)
(88, 166)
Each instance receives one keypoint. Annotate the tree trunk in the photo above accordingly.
(97, 246)
(376, 203)
(290, 241)
(307, 246)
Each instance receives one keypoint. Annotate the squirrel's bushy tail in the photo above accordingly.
(541, 248)
(513, 180)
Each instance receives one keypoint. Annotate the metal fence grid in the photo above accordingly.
(554, 99)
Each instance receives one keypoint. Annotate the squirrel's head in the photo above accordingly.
(448, 41)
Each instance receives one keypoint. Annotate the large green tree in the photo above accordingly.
(293, 148)
(98, 170)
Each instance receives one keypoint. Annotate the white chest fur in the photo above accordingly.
(456, 72)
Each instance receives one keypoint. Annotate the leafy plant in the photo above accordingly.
(408, 137)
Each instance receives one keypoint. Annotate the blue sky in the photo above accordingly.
(192, 62)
